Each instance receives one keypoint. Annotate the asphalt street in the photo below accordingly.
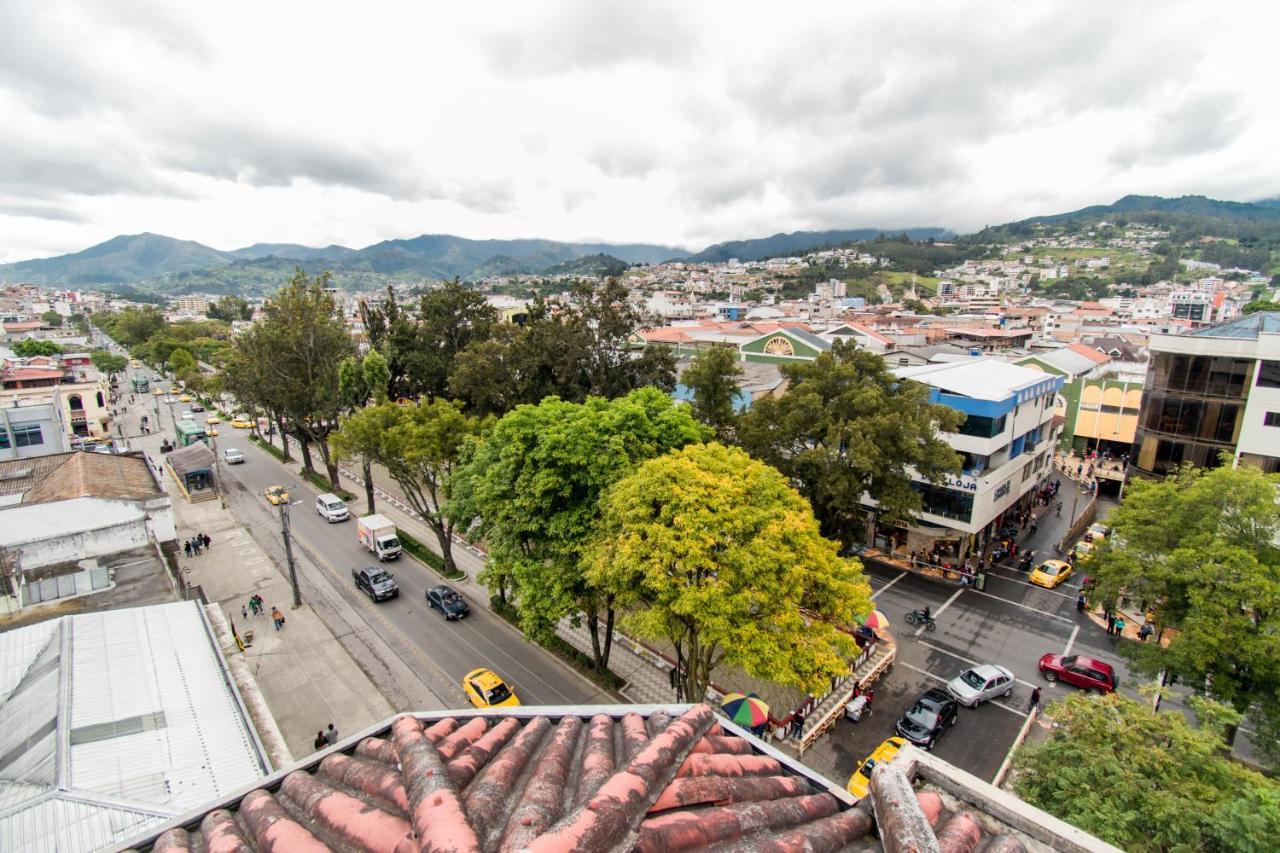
(440, 652)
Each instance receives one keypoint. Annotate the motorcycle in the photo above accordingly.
(1024, 564)
(917, 617)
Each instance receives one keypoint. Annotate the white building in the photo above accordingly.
(30, 428)
(1006, 443)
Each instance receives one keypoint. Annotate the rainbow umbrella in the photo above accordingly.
(745, 709)
(876, 621)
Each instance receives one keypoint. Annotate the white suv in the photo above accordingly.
(331, 507)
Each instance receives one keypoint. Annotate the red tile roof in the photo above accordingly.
(548, 780)
(1090, 353)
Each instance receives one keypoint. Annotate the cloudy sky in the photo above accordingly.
(681, 123)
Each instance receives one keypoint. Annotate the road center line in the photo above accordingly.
(1071, 641)
(1025, 607)
(889, 584)
(938, 612)
(1011, 710)
(969, 661)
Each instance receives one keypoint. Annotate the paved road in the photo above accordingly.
(441, 652)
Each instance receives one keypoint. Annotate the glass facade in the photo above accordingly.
(982, 427)
(948, 503)
(1192, 411)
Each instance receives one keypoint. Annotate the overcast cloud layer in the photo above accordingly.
(678, 123)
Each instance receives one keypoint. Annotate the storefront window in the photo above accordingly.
(979, 426)
(948, 503)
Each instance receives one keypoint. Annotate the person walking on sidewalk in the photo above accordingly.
(331, 735)
(1081, 603)
(253, 604)
(277, 617)
(244, 611)
(1111, 623)
(1119, 626)
(204, 540)
(1034, 704)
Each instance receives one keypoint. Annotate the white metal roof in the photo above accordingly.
(128, 717)
(979, 378)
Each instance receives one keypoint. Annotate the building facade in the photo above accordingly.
(1213, 391)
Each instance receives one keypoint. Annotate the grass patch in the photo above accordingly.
(426, 555)
(579, 661)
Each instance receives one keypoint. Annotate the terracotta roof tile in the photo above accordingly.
(641, 779)
(84, 474)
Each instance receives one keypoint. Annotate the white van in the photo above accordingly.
(331, 508)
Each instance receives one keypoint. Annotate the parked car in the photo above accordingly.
(978, 684)
(448, 602)
(1079, 671)
(196, 407)
(486, 690)
(1097, 533)
(240, 422)
(376, 582)
(332, 508)
(926, 720)
(232, 456)
(1050, 573)
(860, 782)
(1081, 551)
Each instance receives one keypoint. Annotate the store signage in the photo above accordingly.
(1002, 490)
(963, 483)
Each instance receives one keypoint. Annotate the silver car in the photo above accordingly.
(975, 686)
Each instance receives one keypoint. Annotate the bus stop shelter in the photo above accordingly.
(192, 468)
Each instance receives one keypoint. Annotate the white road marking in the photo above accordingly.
(889, 584)
(1008, 708)
(1024, 606)
(969, 661)
(1071, 641)
(938, 612)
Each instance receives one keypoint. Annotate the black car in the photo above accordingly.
(196, 407)
(447, 601)
(376, 582)
(926, 720)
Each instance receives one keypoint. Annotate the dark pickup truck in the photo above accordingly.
(376, 582)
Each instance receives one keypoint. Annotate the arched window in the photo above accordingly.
(75, 403)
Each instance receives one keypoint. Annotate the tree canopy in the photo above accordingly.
(713, 378)
(108, 363)
(1146, 781)
(1198, 550)
(27, 347)
(715, 553)
(531, 487)
(846, 427)
(230, 308)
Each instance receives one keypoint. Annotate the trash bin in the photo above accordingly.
(980, 581)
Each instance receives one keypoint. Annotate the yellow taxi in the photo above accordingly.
(1081, 552)
(1096, 533)
(486, 690)
(241, 422)
(1050, 573)
(276, 495)
(213, 419)
(860, 782)
(213, 431)
(134, 363)
(185, 398)
(157, 391)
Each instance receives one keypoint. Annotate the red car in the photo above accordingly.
(1079, 671)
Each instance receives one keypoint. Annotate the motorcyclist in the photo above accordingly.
(925, 614)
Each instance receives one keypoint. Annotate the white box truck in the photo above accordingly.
(378, 534)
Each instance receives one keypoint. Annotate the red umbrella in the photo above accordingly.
(876, 621)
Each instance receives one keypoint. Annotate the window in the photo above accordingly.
(1271, 419)
(101, 403)
(982, 427)
(4, 439)
(1269, 374)
(75, 403)
(27, 435)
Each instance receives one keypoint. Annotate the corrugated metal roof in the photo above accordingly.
(1248, 326)
(979, 378)
(147, 726)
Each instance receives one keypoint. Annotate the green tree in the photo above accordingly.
(845, 427)
(358, 381)
(531, 488)
(52, 318)
(249, 377)
(29, 347)
(134, 326)
(713, 552)
(713, 377)
(419, 444)
(182, 363)
(1146, 781)
(230, 308)
(1198, 550)
(108, 364)
(1256, 305)
(450, 318)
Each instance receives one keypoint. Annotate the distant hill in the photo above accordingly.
(1187, 205)
(120, 260)
(598, 265)
(799, 242)
(292, 251)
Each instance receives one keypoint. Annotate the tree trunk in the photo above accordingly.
(330, 463)
(284, 441)
(593, 628)
(366, 470)
(445, 535)
(609, 614)
(305, 453)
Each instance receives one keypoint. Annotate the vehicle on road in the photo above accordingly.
(1089, 674)
(212, 419)
(185, 398)
(196, 407)
(240, 422)
(486, 690)
(169, 398)
(332, 508)
(447, 600)
(276, 495)
(926, 720)
(232, 456)
(978, 684)
(1081, 551)
(376, 582)
(187, 416)
(918, 617)
(860, 782)
(1097, 533)
(378, 534)
(1050, 573)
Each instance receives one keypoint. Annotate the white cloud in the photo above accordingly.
(678, 123)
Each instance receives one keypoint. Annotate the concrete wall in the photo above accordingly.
(84, 544)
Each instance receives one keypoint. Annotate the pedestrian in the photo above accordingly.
(1033, 528)
(1119, 626)
(797, 724)
(253, 604)
(1111, 623)
(1080, 603)
(321, 741)
(204, 537)
(244, 611)
(1144, 632)
(262, 605)
(186, 548)
(277, 617)
(1035, 700)
(331, 735)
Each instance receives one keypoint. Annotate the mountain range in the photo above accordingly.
(156, 264)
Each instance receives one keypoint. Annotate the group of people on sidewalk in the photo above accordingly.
(257, 607)
(326, 738)
(193, 546)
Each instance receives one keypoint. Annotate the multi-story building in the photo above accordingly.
(1006, 441)
(34, 429)
(1215, 390)
(78, 389)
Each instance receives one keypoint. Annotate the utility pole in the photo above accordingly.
(288, 553)
(217, 467)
